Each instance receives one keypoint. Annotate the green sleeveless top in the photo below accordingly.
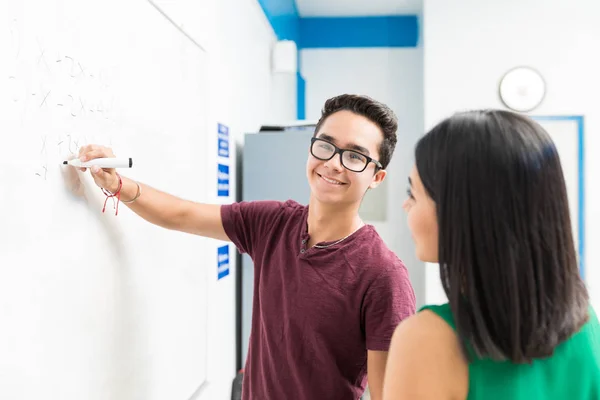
(571, 373)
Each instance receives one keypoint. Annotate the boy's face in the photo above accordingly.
(330, 182)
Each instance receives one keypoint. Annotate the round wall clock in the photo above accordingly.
(522, 89)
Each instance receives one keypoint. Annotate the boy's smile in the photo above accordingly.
(329, 180)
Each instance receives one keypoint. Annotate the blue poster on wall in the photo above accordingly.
(223, 146)
(223, 180)
(222, 262)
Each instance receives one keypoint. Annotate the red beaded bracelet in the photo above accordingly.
(117, 194)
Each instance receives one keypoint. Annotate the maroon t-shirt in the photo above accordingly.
(315, 311)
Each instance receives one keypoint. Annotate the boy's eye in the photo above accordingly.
(409, 193)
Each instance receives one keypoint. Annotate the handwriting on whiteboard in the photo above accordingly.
(88, 94)
(55, 96)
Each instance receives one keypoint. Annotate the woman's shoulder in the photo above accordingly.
(442, 311)
(426, 341)
(431, 330)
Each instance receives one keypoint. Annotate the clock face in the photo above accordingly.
(522, 89)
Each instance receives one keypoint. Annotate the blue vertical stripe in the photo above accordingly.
(301, 93)
(581, 151)
(580, 182)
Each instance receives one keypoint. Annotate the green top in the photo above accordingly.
(571, 373)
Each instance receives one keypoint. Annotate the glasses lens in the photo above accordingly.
(322, 149)
(354, 161)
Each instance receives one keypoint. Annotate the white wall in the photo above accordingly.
(469, 44)
(238, 39)
(394, 77)
(246, 96)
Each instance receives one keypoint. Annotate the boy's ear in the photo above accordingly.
(378, 178)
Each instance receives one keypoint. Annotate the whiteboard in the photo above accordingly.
(96, 305)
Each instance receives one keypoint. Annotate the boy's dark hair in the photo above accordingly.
(373, 110)
(507, 259)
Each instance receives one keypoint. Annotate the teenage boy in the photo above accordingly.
(328, 293)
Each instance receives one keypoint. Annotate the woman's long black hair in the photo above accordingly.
(506, 252)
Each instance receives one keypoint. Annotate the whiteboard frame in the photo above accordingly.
(179, 28)
(203, 386)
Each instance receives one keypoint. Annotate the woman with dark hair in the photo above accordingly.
(488, 202)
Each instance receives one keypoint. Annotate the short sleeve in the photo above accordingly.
(247, 222)
(389, 300)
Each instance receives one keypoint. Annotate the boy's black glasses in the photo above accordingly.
(351, 159)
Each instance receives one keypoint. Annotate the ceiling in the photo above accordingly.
(345, 8)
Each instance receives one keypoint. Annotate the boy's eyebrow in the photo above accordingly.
(410, 181)
(351, 146)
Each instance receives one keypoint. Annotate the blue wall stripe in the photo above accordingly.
(286, 27)
(283, 17)
(581, 152)
(301, 97)
(379, 31)
(581, 181)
